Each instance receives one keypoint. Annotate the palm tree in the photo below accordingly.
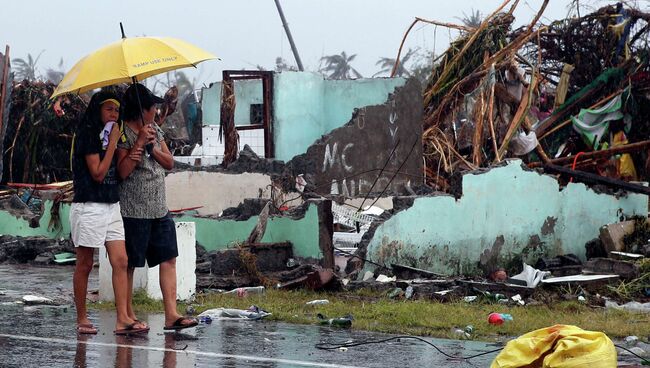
(387, 64)
(338, 66)
(473, 20)
(26, 69)
(55, 75)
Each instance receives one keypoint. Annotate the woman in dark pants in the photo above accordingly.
(149, 231)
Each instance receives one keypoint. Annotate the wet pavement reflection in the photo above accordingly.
(44, 336)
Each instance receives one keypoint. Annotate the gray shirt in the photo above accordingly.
(142, 194)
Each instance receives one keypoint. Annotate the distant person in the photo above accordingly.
(95, 218)
(150, 231)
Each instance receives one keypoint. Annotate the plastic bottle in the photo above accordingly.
(408, 294)
(245, 291)
(337, 322)
(318, 302)
(499, 318)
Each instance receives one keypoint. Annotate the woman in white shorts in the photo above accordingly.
(95, 218)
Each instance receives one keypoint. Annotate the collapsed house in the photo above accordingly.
(464, 186)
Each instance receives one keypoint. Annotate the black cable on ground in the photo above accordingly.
(331, 346)
(644, 361)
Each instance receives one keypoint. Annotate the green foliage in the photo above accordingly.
(26, 68)
(387, 64)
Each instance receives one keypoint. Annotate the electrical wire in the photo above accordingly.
(333, 346)
(363, 259)
(643, 360)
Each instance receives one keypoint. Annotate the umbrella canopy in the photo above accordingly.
(129, 58)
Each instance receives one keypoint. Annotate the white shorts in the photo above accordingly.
(93, 224)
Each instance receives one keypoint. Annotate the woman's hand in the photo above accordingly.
(114, 136)
(135, 154)
(146, 135)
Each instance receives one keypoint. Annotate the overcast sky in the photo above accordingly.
(244, 33)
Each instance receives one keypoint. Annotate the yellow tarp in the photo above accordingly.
(559, 346)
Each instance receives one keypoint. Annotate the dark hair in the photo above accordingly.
(137, 98)
(92, 116)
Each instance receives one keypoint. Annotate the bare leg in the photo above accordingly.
(82, 269)
(129, 293)
(167, 274)
(119, 262)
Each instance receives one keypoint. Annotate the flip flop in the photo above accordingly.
(86, 329)
(179, 325)
(131, 330)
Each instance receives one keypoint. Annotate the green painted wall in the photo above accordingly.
(306, 106)
(11, 225)
(211, 233)
(247, 92)
(523, 208)
(303, 233)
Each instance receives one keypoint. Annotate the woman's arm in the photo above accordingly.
(98, 168)
(163, 156)
(128, 159)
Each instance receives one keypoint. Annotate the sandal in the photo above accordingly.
(179, 325)
(86, 329)
(131, 330)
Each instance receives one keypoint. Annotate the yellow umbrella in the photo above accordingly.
(128, 60)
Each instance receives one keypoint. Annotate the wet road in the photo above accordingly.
(44, 336)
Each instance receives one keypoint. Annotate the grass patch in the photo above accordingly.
(374, 312)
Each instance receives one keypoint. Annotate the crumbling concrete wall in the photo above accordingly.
(215, 191)
(505, 215)
(306, 106)
(348, 159)
(303, 231)
(16, 225)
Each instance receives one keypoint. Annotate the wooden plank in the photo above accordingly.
(597, 179)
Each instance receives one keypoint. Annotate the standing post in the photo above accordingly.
(5, 75)
(293, 45)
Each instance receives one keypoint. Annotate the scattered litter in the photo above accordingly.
(640, 352)
(444, 292)
(65, 258)
(384, 278)
(343, 349)
(245, 291)
(368, 275)
(631, 341)
(518, 299)
(345, 321)
(631, 306)
(408, 294)
(499, 318)
(37, 300)
(531, 276)
(205, 319)
(396, 293)
(470, 298)
(625, 256)
(578, 278)
(581, 299)
(345, 281)
(464, 333)
(318, 302)
(252, 313)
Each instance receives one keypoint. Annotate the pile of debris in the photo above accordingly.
(574, 92)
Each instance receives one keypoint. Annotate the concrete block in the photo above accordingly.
(612, 235)
(147, 278)
(626, 270)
